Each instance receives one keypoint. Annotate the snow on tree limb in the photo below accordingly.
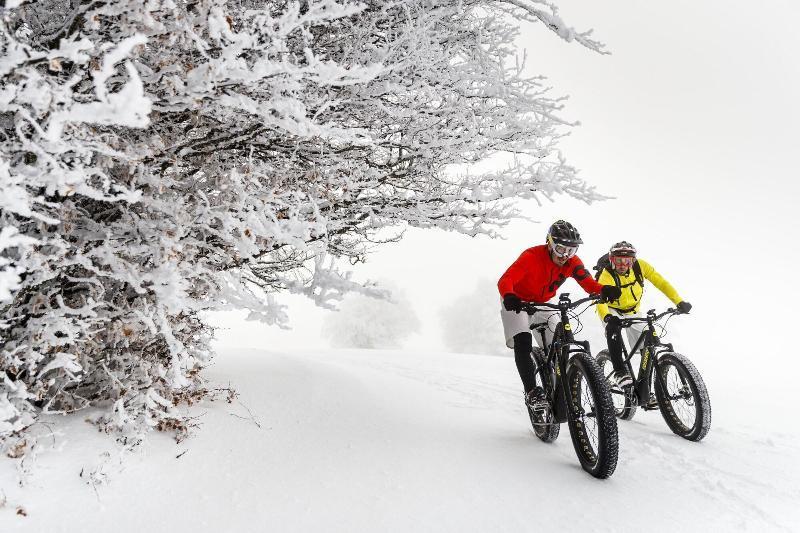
(555, 23)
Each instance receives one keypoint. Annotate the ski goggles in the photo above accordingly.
(562, 251)
(622, 261)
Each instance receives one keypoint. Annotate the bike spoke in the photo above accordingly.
(588, 417)
(618, 396)
(592, 431)
(680, 396)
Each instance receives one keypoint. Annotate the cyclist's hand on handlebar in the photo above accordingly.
(609, 293)
(613, 322)
(684, 307)
(512, 303)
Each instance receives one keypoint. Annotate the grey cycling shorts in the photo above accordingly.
(514, 323)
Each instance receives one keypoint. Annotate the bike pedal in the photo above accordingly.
(540, 409)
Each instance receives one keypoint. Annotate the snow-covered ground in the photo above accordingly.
(399, 441)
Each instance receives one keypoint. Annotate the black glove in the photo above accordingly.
(610, 293)
(684, 307)
(512, 302)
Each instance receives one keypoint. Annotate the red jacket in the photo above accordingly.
(534, 277)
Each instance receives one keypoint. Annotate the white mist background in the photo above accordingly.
(690, 125)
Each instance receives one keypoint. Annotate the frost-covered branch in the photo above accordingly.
(555, 23)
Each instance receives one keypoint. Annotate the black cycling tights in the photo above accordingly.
(523, 343)
(614, 339)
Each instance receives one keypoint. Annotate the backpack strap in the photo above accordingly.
(625, 311)
(637, 272)
(614, 276)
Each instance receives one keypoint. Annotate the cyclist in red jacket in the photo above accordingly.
(535, 277)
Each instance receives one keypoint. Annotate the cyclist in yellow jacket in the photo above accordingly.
(629, 274)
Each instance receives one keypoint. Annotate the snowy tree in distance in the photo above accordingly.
(164, 158)
(469, 321)
(364, 321)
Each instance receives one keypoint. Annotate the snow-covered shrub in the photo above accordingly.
(371, 322)
(471, 322)
(162, 158)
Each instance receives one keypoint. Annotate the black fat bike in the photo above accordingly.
(680, 393)
(576, 391)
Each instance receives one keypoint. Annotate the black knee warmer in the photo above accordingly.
(523, 343)
(614, 339)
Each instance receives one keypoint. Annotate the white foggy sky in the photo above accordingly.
(690, 124)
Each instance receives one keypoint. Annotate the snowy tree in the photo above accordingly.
(167, 157)
(469, 321)
(364, 321)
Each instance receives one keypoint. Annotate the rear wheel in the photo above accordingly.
(544, 425)
(684, 404)
(624, 403)
(592, 419)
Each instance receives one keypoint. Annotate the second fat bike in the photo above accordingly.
(666, 381)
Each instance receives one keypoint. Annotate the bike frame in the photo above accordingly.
(652, 349)
(557, 353)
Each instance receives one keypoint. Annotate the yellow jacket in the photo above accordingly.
(632, 291)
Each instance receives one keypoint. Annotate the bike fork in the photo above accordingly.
(560, 408)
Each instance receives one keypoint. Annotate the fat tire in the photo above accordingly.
(628, 410)
(547, 432)
(702, 403)
(602, 462)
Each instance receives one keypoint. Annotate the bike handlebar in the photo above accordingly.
(533, 307)
(626, 322)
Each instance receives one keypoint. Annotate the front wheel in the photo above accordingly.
(592, 418)
(624, 403)
(684, 404)
(544, 424)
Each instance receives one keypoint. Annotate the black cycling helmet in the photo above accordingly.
(622, 249)
(563, 233)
